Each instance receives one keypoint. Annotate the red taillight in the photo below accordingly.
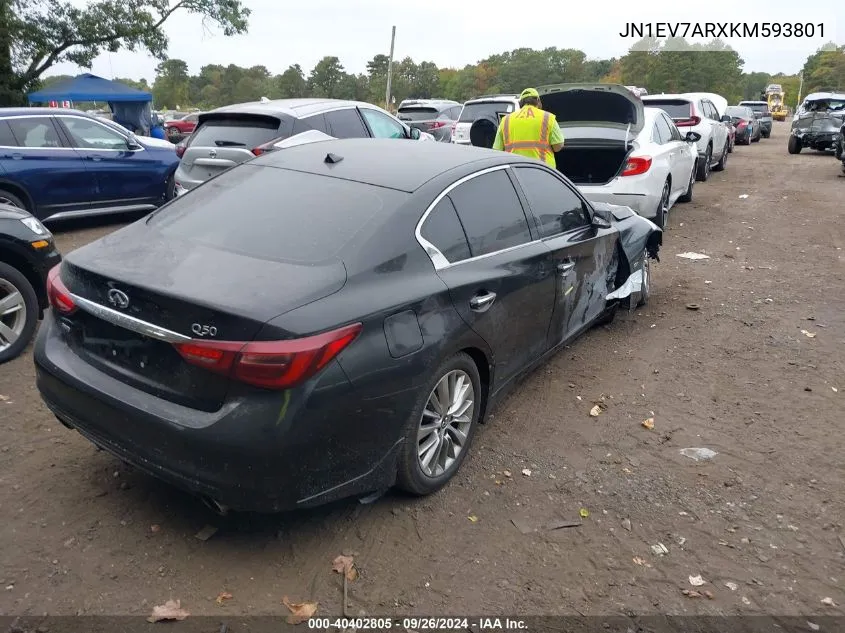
(690, 122)
(258, 151)
(180, 151)
(636, 166)
(270, 364)
(741, 125)
(57, 292)
(436, 124)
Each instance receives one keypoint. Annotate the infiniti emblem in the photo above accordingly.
(118, 298)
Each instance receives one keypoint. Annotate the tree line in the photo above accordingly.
(712, 67)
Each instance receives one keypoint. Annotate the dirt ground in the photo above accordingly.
(84, 534)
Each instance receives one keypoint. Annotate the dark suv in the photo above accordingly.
(233, 134)
(27, 254)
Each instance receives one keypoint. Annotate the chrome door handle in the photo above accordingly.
(565, 267)
(482, 302)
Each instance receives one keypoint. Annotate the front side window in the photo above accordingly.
(346, 124)
(86, 134)
(555, 206)
(491, 214)
(382, 125)
(35, 132)
(443, 229)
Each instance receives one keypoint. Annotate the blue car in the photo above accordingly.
(58, 164)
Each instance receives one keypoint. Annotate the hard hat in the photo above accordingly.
(529, 92)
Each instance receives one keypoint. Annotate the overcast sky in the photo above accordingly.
(454, 34)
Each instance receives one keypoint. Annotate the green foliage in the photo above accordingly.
(35, 35)
(824, 70)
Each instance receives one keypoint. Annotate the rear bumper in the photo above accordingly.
(644, 204)
(269, 453)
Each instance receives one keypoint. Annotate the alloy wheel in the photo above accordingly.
(645, 290)
(445, 424)
(707, 159)
(12, 314)
(663, 209)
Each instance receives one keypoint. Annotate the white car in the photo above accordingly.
(697, 113)
(618, 151)
(492, 107)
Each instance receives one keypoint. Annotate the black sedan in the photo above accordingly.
(748, 128)
(331, 319)
(27, 253)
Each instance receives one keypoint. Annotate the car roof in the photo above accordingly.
(674, 97)
(291, 107)
(404, 165)
(40, 111)
(819, 96)
(754, 102)
(496, 97)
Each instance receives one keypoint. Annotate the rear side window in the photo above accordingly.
(240, 132)
(663, 130)
(35, 132)
(346, 124)
(7, 139)
(291, 216)
(443, 229)
(474, 111)
(315, 122)
(555, 206)
(675, 109)
(491, 214)
(416, 113)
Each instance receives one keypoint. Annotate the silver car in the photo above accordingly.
(233, 134)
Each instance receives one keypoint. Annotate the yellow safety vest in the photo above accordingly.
(527, 133)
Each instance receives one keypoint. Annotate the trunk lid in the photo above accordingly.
(419, 117)
(192, 289)
(594, 106)
(225, 139)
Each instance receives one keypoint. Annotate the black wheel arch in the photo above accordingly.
(18, 191)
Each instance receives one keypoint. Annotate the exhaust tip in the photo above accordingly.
(215, 506)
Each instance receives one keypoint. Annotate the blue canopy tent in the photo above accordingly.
(130, 107)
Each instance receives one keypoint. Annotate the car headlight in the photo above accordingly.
(35, 226)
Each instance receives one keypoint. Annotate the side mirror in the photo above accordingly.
(602, 219)
(132, 142)
(415, 134)
(726, 119)
(692, 137)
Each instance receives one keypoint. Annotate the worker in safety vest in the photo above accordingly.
(530, 131)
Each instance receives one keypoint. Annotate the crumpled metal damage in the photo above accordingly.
(632, 285)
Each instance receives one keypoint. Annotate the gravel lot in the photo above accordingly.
(84, 534)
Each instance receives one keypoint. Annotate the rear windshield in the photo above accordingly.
(473, 111)
(675, 109)
(292, 216)
(738, 112)
(247, 133)
(757, 107)
(416, 113)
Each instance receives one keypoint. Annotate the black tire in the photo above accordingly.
(838, 150)
(170, 188)
(645, 291)
(12, 278)
(7, 197)
(723, 161)
(731, 147)
(482, 132)
(410, 476)
(172, 132)
(793, 146)
(703, 167)
(661, 217)
(756, 140)
(687, 195)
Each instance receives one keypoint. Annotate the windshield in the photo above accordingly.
(474, 111)
(757, 107)
(417, 113)
(736, 112)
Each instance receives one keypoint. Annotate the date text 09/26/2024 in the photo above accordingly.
(418, 624)
(723, 29)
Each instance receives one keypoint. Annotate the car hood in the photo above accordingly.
(594, 105)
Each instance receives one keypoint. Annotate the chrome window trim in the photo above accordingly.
(439, 259)
(66, 149)
(129, 322)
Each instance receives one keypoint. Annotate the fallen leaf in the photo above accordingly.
(300, 611)
(206, 533)
(584, 513)
(473, 518)
(346, 565)
(506, 473)
(690, 593)
(808, 334)
(659, 550)
(649, 423)
(731, 585)
(155, 528)
(640, 561)
(223, 596)
(697, 581)
(709, 594)
(4, 398)
(745, 600)
(828, 602)
(526, 472)
(170, 610)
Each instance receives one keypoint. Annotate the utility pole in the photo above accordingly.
(389, 70)
(800, 90)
